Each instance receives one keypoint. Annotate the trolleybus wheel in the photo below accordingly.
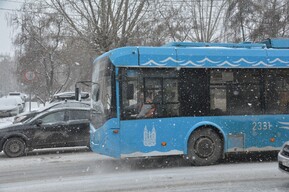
(205, 147)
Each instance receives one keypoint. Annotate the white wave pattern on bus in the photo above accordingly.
(244, 61)
(152, 62)
(206, 59)
(191, 63)
(218, 63)
(262, 63)
(171, 59)
(227, 63)
(278, 60)
(199, 63)
(284, 125)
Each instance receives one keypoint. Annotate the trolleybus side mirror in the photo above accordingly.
(77, 93)
(130, 91)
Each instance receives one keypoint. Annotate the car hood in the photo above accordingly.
(28, 113)
(12, 127)
(286, 143)
(7, 107)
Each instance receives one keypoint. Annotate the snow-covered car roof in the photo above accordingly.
(68, 96)
(51, 106)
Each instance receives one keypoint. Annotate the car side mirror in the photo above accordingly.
(38, 122)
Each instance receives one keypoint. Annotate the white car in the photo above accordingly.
(10, 106)
(283, 157)
(20, 97)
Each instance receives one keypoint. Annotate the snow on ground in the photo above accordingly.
(59, 155)
(85, 176)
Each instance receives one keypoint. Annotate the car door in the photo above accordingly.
(78, 127)
(51, 132)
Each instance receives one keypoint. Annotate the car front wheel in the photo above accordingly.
(14, 147)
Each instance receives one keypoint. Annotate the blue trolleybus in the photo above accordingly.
(199, 100)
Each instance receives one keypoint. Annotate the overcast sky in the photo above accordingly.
(6, 32)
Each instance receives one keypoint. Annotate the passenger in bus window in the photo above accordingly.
(142, 108)
(134, 109)
(147, 109)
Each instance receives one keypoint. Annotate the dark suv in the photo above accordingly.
(62, 127)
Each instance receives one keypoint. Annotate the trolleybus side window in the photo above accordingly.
(212, 92)
(158, 88)
(277, 91)
(244, 92)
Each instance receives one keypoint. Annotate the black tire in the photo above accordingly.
(89, 148)
(205, 147)
(14, 147)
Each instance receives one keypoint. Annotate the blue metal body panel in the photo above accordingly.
(158, 57)
(126, 56)
(104, 140)
(240, 133)
(200, 57)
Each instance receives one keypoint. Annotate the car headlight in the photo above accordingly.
(285, 150)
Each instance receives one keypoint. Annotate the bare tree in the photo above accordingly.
(273, 21)
(238, 16)
(58, 38)
(255, 20)
(174, 20)
(161, 24)
(198, 20)
(103, 24)
(40, 44)
(205, 17)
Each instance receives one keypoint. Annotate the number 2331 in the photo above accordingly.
(261, 126)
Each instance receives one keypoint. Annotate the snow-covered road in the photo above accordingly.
(77, 169)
